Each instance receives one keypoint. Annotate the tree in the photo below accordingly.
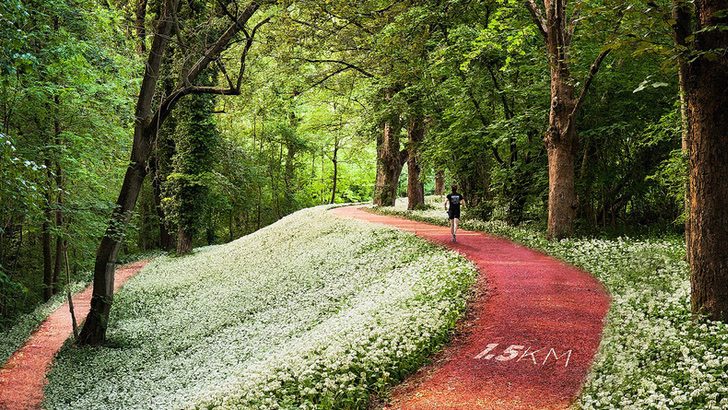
(561, 138)
(415, 186)
(701, 35)
(148, 118)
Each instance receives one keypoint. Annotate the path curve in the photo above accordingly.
(23, 376)
(550, 314)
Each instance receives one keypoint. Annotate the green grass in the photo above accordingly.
(311, 312)
(652, 355)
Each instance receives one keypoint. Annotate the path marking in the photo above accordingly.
(512, 351)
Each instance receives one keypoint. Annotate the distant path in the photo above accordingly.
(530, 336)
(22, 377)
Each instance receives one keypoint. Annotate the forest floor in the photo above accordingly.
(23, 376)
(529, 339)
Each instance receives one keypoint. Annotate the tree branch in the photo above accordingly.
(349, 65)
(222, 42)
(537, 17)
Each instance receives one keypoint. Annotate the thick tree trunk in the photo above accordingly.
(561, 151)
(389, 164)
(706, 82)
(439, 182)
(415, 187)
(562, 195)
(184, 242)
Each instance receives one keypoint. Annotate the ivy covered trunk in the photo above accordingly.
(389, 164)
(415, 187)
(706, 92)
(188, 186)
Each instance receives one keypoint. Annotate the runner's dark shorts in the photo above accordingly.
(453, 213)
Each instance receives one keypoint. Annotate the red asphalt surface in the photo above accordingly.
(551, 311)
(23, 376)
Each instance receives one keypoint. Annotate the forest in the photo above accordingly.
(137, 128)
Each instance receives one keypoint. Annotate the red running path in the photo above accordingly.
(550, 314)
(22, 377)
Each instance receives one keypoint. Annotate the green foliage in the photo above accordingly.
(64, 77)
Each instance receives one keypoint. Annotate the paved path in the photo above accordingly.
(530, 336)
(22, 378)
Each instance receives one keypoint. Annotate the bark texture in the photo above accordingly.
(705, 77)
(415, 187)
(561, 137)
(389, 163)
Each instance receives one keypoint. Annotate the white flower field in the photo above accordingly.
(652, 355)
(313, 311)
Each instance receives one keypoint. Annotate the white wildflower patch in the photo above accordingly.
(653, 354)
(311, 312)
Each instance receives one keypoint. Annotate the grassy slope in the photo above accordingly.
(313, 311)
(652, 356)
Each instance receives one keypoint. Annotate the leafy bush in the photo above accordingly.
(311, 312)
(12, 297)
(653, 355)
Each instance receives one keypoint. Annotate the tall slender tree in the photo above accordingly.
(561, 138)
(148, 117)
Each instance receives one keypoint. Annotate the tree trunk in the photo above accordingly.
(335, 161)
(46, 237)
(439, 182)
(184, 242)
(562, 197)
(681, 30)
(389, 164)
(706, 81)
(94, 329)
(415, 187)
(561, 139)
(60, 240)
(560, 148)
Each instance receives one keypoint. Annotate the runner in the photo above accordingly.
(452, 206)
